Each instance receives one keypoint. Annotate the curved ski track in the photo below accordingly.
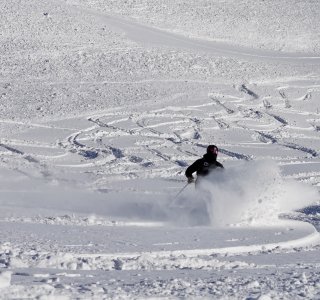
(248, 121)
(163, 141)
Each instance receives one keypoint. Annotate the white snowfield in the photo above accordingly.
(104, 104)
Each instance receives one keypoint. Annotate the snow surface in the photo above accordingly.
(103, 106)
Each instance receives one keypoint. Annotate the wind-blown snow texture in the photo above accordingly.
(103, 105)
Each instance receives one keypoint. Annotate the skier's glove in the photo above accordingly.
(190, 179)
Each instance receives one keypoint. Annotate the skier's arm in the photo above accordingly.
(192, 168)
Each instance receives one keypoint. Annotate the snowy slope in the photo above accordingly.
(103, 106)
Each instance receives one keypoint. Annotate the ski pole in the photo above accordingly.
(181, 191)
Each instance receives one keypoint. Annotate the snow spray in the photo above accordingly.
(252, 193)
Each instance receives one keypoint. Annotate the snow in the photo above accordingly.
(5, 279)
(103, 106)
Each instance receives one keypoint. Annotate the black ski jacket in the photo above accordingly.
(203, 166)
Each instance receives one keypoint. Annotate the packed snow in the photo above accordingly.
(104, 104)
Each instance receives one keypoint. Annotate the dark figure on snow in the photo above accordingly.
(204, 165)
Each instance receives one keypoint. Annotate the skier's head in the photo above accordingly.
(212, 150)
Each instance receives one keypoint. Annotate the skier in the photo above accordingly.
(204, 165)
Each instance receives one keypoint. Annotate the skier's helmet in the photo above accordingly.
(212, 150)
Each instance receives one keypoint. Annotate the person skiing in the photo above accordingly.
(204, 165)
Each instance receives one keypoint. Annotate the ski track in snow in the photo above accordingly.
(164, 141)
(105, 253)
(173, 136)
